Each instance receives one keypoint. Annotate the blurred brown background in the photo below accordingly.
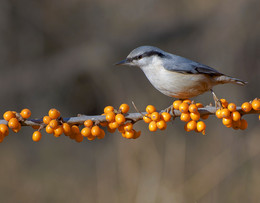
(61, 54)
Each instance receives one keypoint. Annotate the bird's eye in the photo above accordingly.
(139, 57)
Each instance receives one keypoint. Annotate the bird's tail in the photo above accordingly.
(227, 79)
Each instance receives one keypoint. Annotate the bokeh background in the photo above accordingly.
(61, 54)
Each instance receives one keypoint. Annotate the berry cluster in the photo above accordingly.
(156, 120)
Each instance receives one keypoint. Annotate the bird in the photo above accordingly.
(176, 76)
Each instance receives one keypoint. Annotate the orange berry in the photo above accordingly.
(243, 124)
(46, 119)
(166, 116)
(74, 130)
(54, 113)
(236, 124)
(25, 113)
(108, 109)
(152, 126)
(232, 107)
(102, 134)
(49, 130)
(205, 116)
(246, 106)
(176, 104)
(218, 114)
(16, 130)
(72, 135)
(1, 137)
(110, 129)
(53, 124)
(188, 101)
(124, 108)
(88, 123)
(225, 113)
(161, 125)
(147, 118)
(79, 137)
(129, 134)
(113, 125)
(95, 130)
(121, 128)
(137, 134)
(256, 104)
(110, 116)
(193, 108)
(224, 103)
(103, 124)
(155, 116)
(199, 105)
(227, 121)
(86, 131)
(35, 127)
(58, 131)
(184, 107)
(66, 129)
(36, 136)
(120, 118)
(185, 117)
(191, 125)
(195, 116)
(128, 127)
(201, 126)
(4, 129)
(91, 137)
(8, 115)
(13, 123)
(235, 115)
(150, 109)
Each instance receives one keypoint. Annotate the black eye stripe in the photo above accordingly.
(147, 54)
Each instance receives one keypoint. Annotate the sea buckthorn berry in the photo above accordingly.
(54, 113)
(35, 127)
(124, 108)
(225, 113)
(205, 116)
(53, 124)
(103, 124)
(72, 135)
(256, 104)
(121, 128)
(201, 126)
(123, 134)
(155, 116)
(150, 109)
(235, 116)
(79, 137)
(152, 126)
(227, 121)
(102, 134)
(95, 130)
(1, 137)
(128, 127)
(224, 103)
(129, 134)
(243, 124)
(110, 129)
(176, 104)
(4, 129)
(186, 128)
(110, 116)
(91, 137)
(166, 116)
(193, 108)
(199, 105)
(36, 136)
(137, 134)
(218, 114)
(46, 120)
(161, 125)
(191, 125)
(188, 101)
(236, 124)
(185, 117)
(195, 116)
(246, 107)
(88, 123)
(232, 107)
(66, 129)
(16, 130)
(86, 131)
(120, 118)
(74, 130)
(13, 123)
(58, 131)
(147, 118)
(25, 113)
(108, 109)
(184, 107)
(113, 125)
(49, 130)
(8, 115)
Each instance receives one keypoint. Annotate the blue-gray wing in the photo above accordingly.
(186, 66)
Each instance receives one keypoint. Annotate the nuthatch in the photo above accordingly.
(176, 76)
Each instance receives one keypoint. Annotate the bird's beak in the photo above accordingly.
(124, 62)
